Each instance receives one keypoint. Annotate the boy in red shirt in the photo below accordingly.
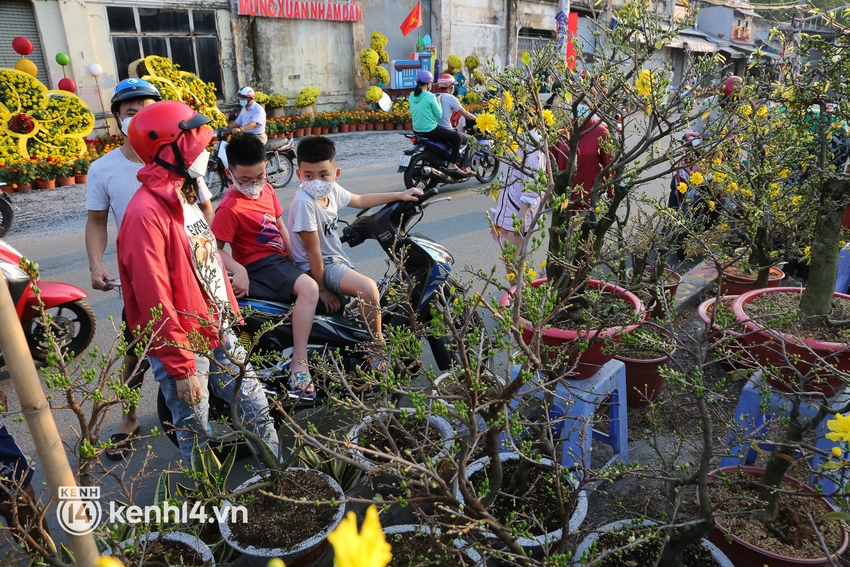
(250, 220)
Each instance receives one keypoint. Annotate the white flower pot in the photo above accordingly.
(473, 555)
(438, 423)
(544, 539)
(585, 544)
(259, 556)
(187, 539)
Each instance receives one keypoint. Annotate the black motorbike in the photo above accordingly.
(280, 154)
(425, 271)
(426, 164)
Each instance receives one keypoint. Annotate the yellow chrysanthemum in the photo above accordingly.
(682, 188)
(796, 200)
(369, 548)
(746, 192)
(836, 452)
(486, 122)
(696, 178)
(549, 117)
(746, 110)
(511, 276)
(719, 176)
(508, 101)
(784, 174)
(643, 84)
(839, 428)
(543, 265)
(733, 187)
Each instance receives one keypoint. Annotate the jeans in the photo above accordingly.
(252, 408)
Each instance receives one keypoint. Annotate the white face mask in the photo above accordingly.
(317, 188)
(199, 166)
(124, 125)
(252, 190)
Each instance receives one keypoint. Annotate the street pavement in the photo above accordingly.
(460, 225)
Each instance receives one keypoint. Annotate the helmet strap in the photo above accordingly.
(180, 167)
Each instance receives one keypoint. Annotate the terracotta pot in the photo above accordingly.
(343, 129)
(379, 125)
(408, 125)
(64, 181)
(389, 126)
(727, 339)
(746, 554)
(586, 543)
(46, 184)
(643, 377)
(737, 285)
(361, 127)
(7, 189)
(81, 178)
(370, 126)
(334, 129)
(23, 188)
(592, 359)
(773, 347)
(308, 131)
(399, 126)
(299, 132)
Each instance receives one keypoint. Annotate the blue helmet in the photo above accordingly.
(129, 89)
(425, 77)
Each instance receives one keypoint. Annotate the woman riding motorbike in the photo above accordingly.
(426, 111)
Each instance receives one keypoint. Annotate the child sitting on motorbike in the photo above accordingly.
(250, 220)
(316, 246)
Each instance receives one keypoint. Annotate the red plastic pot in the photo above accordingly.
(729, 339)
(81, 178)
(643, 379)
(343, 128)
(379, 125)
(658, 310)
(408, 125)
(743, 553)
(7, 189)
(361, 127)
(805, 353)
(592, 359)
(65, 181)
(46, 184)
(23, 188)
(370, 126)
(738, 285)
(299, 132)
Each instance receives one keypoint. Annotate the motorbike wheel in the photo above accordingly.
(217, 183)
(486, 168)
(7, 217)
(413, 174)
(73, 326)
(279, 171)
(242, 449)
(444, 350)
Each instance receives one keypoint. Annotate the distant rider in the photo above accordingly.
(425, 110)
(252, 117)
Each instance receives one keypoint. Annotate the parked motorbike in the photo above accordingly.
(280, 154)
(426, 164)
(7, 214)
(72, 319)
(423, 260)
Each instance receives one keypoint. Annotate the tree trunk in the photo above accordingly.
(777, 465)
(817, 297)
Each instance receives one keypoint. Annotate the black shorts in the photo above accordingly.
(272, 278)
(14, 467)
(135, 381)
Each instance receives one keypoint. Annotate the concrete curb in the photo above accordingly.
(694, 282)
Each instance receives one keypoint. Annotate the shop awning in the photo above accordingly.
(693, 44)
(746, 12)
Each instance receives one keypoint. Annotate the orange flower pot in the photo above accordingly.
(46, 184)
(343, 129)
(361, 127)
(65, 181)
(371, 126)
(7, 189)
(23, 188)
(388, 126)
(81, 178)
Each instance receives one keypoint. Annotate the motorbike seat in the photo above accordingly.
(262, 292)
(277, 143)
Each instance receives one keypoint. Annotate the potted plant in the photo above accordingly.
(431, 437)
(169, 548)
(345, 122)
(45, 173)
(360, 120)
(261, 98)
(277, 104)
(298, 124)
(725, 333)
(271, 129)
(64, 172)
(413, 544)
(306, 100)
(81, 168)
(18, 175)
(646, 351)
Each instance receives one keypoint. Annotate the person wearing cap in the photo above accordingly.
(425, 110)
(111, 184)
(252, 117)
(168, 261)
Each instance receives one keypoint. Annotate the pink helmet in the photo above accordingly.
(730, 85)
(446, 80)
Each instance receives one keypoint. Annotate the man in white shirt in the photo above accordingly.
(252, 117)
(452, 107)
(111, 184)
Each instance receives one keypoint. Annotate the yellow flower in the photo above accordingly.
(109, 562)
(761, 111)
(369, 548)
(796, 200)
(839, 427)
(543, 264)
(696, 178)
(508, 101)
(486, 122)
(746, 193)
(711, 205)
(682, 188)
(746, 110)
(719, 176)
(784, 174)
(733, 187)
(548, 117)
(836, 452)
(511, 276)
(643, 84)
(530, 273)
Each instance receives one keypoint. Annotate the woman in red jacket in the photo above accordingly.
(168, 261)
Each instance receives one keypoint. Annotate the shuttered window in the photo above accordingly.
(17, 18)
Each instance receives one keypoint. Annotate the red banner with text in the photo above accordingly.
(300, 10)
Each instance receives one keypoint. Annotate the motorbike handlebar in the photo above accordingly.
(427, 195)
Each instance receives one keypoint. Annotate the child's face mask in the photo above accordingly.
(317, 188)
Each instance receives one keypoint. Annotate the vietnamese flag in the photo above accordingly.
(413, 20)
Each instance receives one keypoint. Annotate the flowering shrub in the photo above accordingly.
(308, 96)
(278, 101)
(374, 94)
(17, 172)
(454, 64)
(186, 87)
(261, 97)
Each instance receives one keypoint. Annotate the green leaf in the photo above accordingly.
(659, 44)
(526, 58)
(212, 463)
(160, 494)
(66, 555)
(196, 460)
(830, 465)
(225, 469)
(838, 516)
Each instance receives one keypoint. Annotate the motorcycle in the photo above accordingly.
(426, 164)
(72, 319)
(280, 155)
(7, 214)
(424, 261)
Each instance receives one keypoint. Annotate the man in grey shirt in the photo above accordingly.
(252, 118)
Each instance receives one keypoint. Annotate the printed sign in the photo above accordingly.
(300, 10)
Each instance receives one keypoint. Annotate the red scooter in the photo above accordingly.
(73, 321)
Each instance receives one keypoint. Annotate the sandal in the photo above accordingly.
(298, 384)
(379, 364)
(122, 445)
